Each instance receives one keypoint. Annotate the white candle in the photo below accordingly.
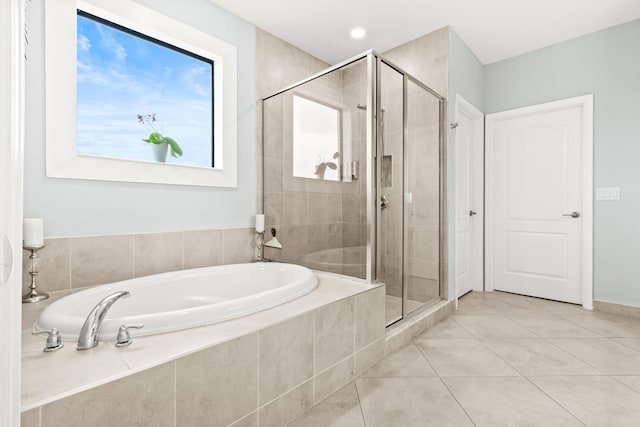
(259, 223)
(33, 233)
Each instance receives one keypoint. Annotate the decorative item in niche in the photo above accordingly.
(121, 72)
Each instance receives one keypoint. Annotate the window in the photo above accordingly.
(119, 72)
(316, 140)
(140, 98)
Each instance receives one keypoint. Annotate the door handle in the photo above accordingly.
(573, 214)
(472, 213)
(383, 202)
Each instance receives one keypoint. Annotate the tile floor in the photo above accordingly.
(500, 360)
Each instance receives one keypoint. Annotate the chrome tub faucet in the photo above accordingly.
(90, 332)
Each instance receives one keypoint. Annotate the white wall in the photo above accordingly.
(80, 208)
(466, 77)
(607, 64)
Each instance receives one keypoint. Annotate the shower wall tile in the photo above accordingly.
(272, 175)
(30, 418)
(369, 324)
(239, 245)
(334, 378)
(334, 333)
(250, 420)
(101, 259)
(219, 385)
(54, 272)
(285, 357)
(273, 210)
(157, 253)
(288, 406)
(369, 356)
(148, 392)
(203, 248)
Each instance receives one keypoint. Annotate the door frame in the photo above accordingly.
(477, 154)
(12, 19)
(586, 103)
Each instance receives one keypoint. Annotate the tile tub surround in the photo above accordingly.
(71, 264)
(459, 374)
(266, 368)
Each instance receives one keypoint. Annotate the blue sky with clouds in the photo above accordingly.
(120, 76)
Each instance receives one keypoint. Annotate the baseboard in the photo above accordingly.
(619, 309)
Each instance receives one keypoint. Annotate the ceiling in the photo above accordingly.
(493, 29)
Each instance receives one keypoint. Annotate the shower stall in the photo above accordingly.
(353, 160)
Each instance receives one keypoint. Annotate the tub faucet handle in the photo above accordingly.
(54, 340)
(124, 338)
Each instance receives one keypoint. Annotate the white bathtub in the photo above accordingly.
(182, 299)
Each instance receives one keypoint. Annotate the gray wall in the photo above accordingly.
(466, 77)
(79, 207)
(607, 64)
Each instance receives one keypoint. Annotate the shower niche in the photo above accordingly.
(352, 161)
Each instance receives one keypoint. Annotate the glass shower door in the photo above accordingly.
(390, 164)
(422, 198)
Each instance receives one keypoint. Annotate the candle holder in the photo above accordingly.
(260, 245)
(33, 295)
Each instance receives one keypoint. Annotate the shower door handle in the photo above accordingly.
(383, 202)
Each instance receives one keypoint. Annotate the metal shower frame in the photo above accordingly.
(373, 171)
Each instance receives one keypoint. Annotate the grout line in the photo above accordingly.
(134, 256)
(555, 401)
(258, 377)
(626, 385)
(573, 355)
(175, 393)
(457, 401)
(364, 420)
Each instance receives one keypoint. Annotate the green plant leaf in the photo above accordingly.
(155, 138)
(176, 150)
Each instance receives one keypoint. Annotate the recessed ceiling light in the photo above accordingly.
(358, 33)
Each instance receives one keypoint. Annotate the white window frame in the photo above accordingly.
(61, 94)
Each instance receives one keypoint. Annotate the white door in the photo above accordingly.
(537, 164)
(469, 159)
(11, 149)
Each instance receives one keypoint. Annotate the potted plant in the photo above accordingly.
(321, 167)
(159, 143)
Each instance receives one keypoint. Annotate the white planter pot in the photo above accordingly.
(160, 152)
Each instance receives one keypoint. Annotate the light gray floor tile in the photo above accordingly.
(405, 362)
(551, 326)
(341, 409)
(633, 343)
(633, 382)
(596, 400)
(447, 328)
(607, 356)
(493, 326)
(606, 326)
(536, 356)
(409, 402)
(500, 401)
(463, 357)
